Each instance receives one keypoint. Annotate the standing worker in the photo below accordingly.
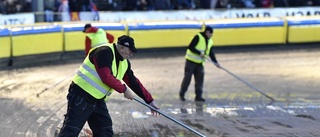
(197, 52)
(96, 79)
(95, 37)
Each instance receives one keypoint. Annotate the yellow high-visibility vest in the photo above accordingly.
(98, 38)
(88, 79)
(201, 46)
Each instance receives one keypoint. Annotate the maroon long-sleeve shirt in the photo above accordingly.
(102, 59)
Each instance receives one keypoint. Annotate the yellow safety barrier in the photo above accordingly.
(61, 37)
(161, 34)
(303, 29)
(230, 32)
(36, 39)
(5, 43)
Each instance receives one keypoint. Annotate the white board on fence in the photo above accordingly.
(17, 19)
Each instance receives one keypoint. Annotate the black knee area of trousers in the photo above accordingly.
(103, 132)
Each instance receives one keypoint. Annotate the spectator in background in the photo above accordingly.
(206, 4)
(258, 3)
(2, 7)
(142, 5)
(130, 5)
(296, 3)
(309, 3)
(57, 16)
(49, 15)
(94, 10)
(64, 10)
(213, 4)
(150, 4)
(64, 6)
(223, 4)
(248, 3)
(218, 4)
(10, 6)
(74, 10)
(316, 2)
(48, 10)
(159, 5)
(19, 7)
(74, 6)
(184, 4)
(280, 3)
(235, 3)
(192, 4)
(167, 5)
(27, 7)
(85, 5)
(267, 3)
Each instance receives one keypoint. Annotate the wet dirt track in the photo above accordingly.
(290, 75)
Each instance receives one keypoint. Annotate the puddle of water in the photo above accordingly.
(213, 110)
(138, 115)
(240, 110)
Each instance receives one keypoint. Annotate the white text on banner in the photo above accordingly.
(17, 19)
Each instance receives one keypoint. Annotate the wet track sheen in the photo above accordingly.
(232, 109)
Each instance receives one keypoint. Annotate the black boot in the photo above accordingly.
(199, 96)
(182, 97)
(199, 99)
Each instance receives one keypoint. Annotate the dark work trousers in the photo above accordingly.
(80, 110)
(197, 70)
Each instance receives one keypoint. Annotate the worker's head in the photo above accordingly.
(86, 27)
(208, 31)
(125, 46)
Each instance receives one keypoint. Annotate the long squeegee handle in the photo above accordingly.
(248, 84)
(165, 115)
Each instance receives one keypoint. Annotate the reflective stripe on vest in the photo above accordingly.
(88, 78)
(201, 47)
(98, 38)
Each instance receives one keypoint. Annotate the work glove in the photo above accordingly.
(154, 105)
(202, 55)
(128, 94)
(217, 65)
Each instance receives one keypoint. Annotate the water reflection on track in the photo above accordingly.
(244, 118)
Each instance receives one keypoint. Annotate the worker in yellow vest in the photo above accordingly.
(100, 74)
(96, 37)
(198, 50)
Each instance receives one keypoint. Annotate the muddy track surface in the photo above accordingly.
(232, 109)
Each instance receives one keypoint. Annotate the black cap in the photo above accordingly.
(208, 28)
(127, 41)
(86, 26)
